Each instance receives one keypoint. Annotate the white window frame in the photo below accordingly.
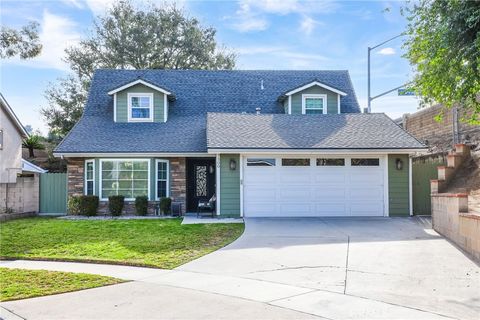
(100, 177)
(157, 161)
(1, 139)
(314, 96)
(92, 161)
(129, 102)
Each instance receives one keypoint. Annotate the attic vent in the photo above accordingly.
(258, 110)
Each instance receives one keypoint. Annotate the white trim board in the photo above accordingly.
(317, 151)
(157, 161)
(85, 175)
(131, 154)
(139, 81)
(315, 83)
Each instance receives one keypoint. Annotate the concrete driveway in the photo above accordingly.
(375, 268)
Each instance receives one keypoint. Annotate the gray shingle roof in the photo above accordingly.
(281, 131)
(197, 92)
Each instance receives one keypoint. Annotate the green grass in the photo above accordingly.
(21, 284)
(154, 243)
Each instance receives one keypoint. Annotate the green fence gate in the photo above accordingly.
(423, 170)
(53, 193)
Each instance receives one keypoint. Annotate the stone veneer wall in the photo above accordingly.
(23, 196)
(423, 126)
(178, 182)
(75, 176)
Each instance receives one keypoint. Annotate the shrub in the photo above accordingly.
(165, 205)
(141, 205)
(115, 205)
(89, 205)
(83, 205)
(73, 205)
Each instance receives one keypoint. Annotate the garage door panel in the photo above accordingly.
(331, 209)
(283, 191)
(365, 208)
(260, 193)
(295, 209)
(367, 193)
(294, 193)
(330, 176)
(295, 177)
(332, 193)
(260, 176)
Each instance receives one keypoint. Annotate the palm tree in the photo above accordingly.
(31, 143)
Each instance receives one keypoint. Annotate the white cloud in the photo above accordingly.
(308, 25)
(98, 7)
(74, 3)
(275, 57)
(284, 7)
(387, 51)
(251, 24)
(56, 34)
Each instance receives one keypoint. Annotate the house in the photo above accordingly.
(266, 143)
(19, 179)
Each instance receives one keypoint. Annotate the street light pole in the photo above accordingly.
(369, 50)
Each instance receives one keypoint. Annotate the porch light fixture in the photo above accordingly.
(399, 164)
(211, 169)
(233, 164)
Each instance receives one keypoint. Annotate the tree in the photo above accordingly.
(443, 45)
(65, 105)
(129, 38)
(33, 142)
(24, 42)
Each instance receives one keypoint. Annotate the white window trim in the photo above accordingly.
(85, 176)
(315, 96)
(129, 102)
(157, 161)
(1, 139)
(100, 177)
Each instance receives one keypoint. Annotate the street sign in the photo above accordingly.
(406, 92)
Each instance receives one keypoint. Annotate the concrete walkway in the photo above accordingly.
(286, 269)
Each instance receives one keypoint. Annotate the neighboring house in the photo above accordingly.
(19, 181)
(267, 143)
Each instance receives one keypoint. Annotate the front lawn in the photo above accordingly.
(21, 284)
(155, 243)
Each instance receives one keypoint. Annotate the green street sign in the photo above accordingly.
(406, 92)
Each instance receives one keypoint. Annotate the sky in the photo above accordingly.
(265, 34)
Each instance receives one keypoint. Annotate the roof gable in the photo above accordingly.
(139, 81)
(315, 83)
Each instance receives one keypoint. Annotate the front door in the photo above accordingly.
(200, 181)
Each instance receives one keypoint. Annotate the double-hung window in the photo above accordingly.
(129, 178)
(162, 176)
(90, 177)
(140, 107)
(314, 104)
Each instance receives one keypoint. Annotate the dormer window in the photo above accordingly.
(314, 103)
(140, 107)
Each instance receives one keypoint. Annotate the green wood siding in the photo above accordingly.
(398, 186)
(53, 193)
(122, 103)
(229, 186)
(423, 170)
(332, 103)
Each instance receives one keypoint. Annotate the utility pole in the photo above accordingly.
(369, 50)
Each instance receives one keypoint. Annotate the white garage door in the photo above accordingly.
(313, 186)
